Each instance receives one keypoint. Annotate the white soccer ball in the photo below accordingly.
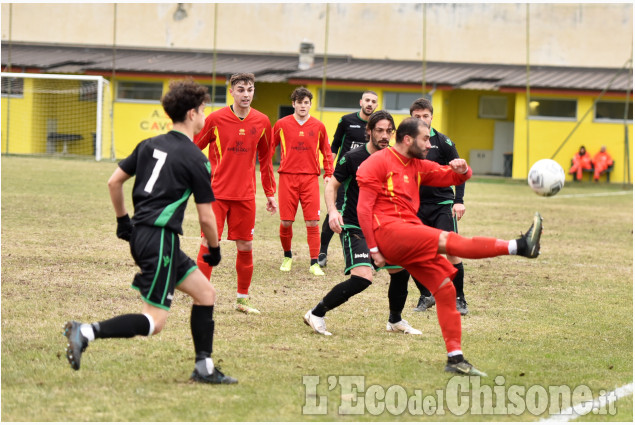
(546, 177)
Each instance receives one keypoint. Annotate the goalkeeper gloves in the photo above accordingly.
(213, 258)
(124, 227)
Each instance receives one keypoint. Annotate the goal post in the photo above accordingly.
(57, 115)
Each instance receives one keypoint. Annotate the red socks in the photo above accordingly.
(313, 239)
(286, 234)
(244, 271)
(449, 317)
(476, 247)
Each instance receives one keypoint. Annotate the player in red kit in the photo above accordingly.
(387, 210)
(301, 138)
(235, 135)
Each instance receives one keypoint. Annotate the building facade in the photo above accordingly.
(475, 74)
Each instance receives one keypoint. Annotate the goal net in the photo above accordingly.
(61, 115)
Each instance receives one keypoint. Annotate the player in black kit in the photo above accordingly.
(168, 168)
(350, 133)
(440, 207)
(356, 254)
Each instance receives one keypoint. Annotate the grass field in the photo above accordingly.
(564, 319)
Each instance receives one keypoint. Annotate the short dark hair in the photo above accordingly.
(300, 93)
(377, 116)
(421, 103)
(182, 96)
(245, 77)
(409, 127)
(368, 91)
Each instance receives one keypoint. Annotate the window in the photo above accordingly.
(492, 107)
(135, 90)
(342, 99)
(14, 85)
(220, 97)
(553, 109)
(612, 111)
(400, 101)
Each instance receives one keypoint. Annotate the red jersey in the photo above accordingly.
(393, 181)
(300, 146)
(233, 144)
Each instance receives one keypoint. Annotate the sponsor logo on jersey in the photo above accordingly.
(301, 134)
(364, 255)
(239, 147)
(241, 132)
(300, 147)
(448, 141)
(355, 126)
(356, 145)
(405, 179)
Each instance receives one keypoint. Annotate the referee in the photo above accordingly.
(168, 169)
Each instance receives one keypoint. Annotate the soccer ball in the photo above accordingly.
(546, 177)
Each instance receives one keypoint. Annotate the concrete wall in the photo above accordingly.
(560, 34)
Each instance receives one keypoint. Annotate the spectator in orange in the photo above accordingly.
(601, 162)
(581, 162)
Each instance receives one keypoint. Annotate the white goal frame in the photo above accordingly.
(101, 84)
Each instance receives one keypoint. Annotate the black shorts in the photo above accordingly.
(157, 252)
(356, 251)
(438, 216)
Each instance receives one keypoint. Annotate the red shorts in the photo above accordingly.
(302, 188)
(415, 248)
(241, 218)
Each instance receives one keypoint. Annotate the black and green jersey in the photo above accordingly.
(168, 168)
(350, 134)
(346, 173)
(442, 151)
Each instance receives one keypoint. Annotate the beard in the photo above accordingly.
(380, 144)
(416, 152)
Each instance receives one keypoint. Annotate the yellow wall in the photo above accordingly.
(461, 122)
(547, 136)
(20, 133)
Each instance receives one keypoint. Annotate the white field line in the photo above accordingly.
(584, 195)
(570, 414)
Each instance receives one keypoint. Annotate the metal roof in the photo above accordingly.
(276, 67)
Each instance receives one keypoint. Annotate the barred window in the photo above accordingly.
(13, 87)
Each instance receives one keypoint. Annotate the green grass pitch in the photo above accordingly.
(564, 319)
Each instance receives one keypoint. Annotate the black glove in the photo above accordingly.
(124, 227)
(213, 258)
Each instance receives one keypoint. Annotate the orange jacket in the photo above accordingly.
(602, 161)
(583, 161)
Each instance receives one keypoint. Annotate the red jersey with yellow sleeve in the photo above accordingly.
(389, 188)
(233, 146)
(300, 146)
